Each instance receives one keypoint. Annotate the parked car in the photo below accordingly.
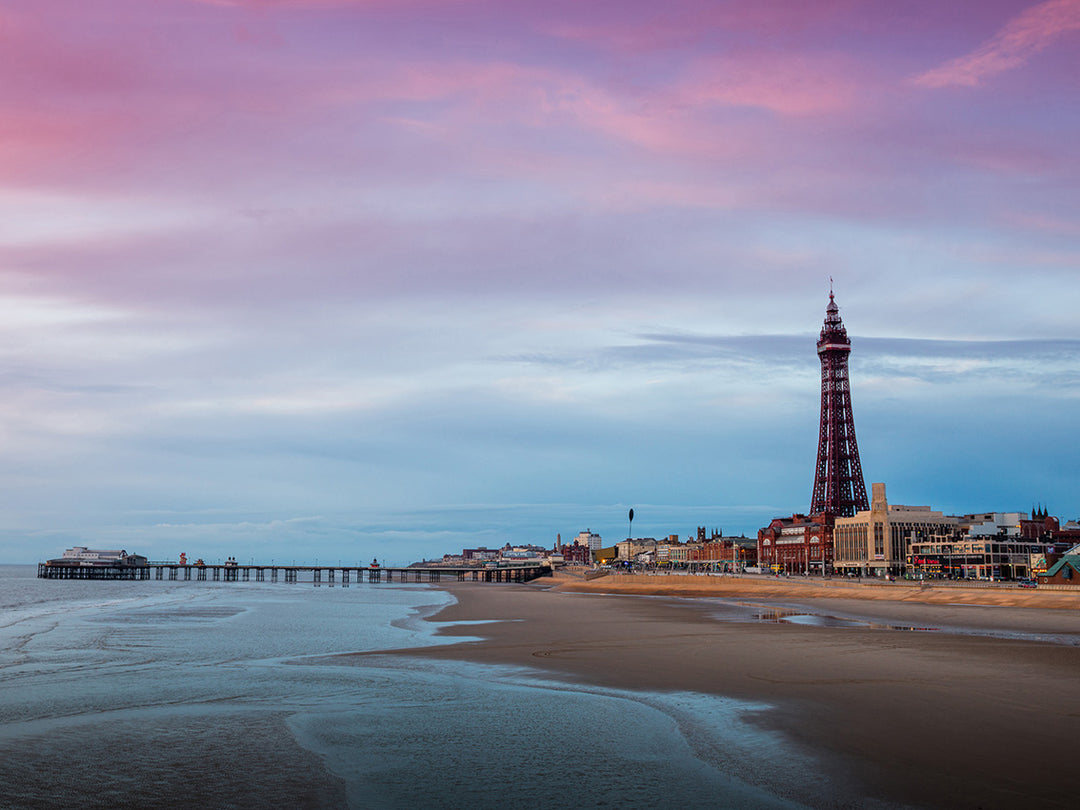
(1027, 583)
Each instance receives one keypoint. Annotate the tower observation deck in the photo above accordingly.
(839, 489)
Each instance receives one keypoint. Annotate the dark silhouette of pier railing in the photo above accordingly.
(314, 574)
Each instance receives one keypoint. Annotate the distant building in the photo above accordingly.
(921, 542)
(1065, 571)
(605, 556)
(589, 539)
(481, 554)
(677, 554)
(717, 553)
(1046, 528)
(528, 551)
(1040, 526)
(575, 554)
(631, 549)
(797, 545)
(875, 542)
(663, 550)
(522, 554)
(991, 524)
(965, 556)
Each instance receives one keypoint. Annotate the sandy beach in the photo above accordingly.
(968, 711)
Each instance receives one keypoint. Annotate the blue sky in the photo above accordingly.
(346, 279)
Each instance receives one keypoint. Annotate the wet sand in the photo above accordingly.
(932, 718)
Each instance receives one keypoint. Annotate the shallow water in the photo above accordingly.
(179, 694)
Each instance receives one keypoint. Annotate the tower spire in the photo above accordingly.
(839, 488)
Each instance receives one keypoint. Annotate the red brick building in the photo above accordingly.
(798, 544)
(575, 554)
(725, 549)
(1041, 526)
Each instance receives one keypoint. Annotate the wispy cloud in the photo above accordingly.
(1025, 35)
(786, 84)
(367, 258)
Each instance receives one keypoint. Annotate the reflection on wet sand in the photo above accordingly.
(778, 615)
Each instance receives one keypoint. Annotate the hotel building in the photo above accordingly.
(589, 539)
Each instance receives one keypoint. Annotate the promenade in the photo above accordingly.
(941, 592)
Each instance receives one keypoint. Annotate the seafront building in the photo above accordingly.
(878, 541)
(975, 557)
(994, 545)
(572, 554)
(589, 539)
(717, 552)
(992, 524)
(480, 555)
(797, 545)
(847, 534)
(642, 549)
(1066, 571)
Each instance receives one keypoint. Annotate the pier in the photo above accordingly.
(317, 575)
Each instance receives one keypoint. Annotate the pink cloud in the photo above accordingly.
(646, 26)
(314, 5)
(345, 108)
(1022, 37)
(676, 119)
(787, 84)
(134, 105)
(1042, 223)
(468, 98)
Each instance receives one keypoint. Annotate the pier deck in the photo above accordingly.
(315, 574)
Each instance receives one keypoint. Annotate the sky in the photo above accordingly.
(328, 280)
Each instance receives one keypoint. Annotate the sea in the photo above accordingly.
(232, 695)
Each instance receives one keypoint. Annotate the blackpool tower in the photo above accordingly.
(839, 489)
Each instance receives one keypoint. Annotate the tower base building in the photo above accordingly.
(797, 545)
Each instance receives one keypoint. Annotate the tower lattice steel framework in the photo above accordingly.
(838, 481)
